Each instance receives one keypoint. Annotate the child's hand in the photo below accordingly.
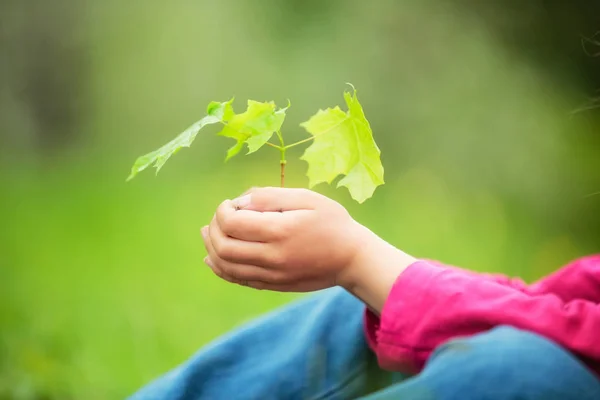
(291, 240)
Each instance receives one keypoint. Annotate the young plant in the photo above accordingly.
(342, 142)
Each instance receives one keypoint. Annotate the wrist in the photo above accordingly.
(374, 269)
(365, 244)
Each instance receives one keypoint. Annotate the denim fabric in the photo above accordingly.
(503, 363)
(315, 349)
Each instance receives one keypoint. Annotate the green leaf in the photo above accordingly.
(216, 112)
(344, 145)
(255, 126)
(223, 111)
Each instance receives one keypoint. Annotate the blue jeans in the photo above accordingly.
(315, 349)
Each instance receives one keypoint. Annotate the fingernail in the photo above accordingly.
(204, 231)
(242, 202)
(253, 188)
(208, 261)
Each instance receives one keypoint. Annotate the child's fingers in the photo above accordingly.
(205, 237)
(278, 199)
(284, 288)
(242, 272)
(238, 251)
(219, 272)
(250, 225)
(254, 284)
(259, 284)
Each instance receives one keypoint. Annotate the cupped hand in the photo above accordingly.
(288, 240)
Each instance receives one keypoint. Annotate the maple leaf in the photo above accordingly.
(216, 112)
(253, 127)
(344, 145)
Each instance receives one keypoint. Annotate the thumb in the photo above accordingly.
(277, 199)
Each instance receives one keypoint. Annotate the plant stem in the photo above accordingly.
(283, 161)
(273, 145)
(282, 148)
(299, 142)
(331, 128)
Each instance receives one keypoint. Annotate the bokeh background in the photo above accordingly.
(484, 112)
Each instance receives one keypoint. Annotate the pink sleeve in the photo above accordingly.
(579, 279)
(430, 304)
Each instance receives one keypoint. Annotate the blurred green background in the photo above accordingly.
(102, 285)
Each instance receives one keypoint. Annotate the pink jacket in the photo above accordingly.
(431, 303)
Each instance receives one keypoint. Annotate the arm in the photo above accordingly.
(296, 240)
(430, 304)
(580, 279)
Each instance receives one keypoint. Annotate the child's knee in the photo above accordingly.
(529, 362)
(502, 348)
